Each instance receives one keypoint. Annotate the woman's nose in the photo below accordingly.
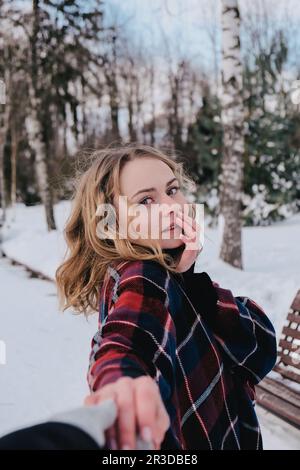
(167, 200)
(171, 209)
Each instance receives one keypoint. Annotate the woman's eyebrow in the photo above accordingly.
(148, 190)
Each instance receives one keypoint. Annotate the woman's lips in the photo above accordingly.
(171, 228)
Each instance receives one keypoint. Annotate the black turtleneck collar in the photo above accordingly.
(199, 288)
(175, 253)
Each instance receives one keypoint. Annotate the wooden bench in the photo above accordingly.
(281, 394)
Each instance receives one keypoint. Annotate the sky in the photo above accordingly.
(190, 25)
(183, 23)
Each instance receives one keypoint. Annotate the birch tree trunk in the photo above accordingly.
(3, 189)
(34, 126)
(111, 70)
(4, 124)
(34, 131)
(232, 166)
(15, 138)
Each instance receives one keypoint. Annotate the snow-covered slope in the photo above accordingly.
(271, 274)
(47, 351)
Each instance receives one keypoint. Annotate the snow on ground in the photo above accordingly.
(47, 351)
(271, 272)
(276, 433)
(27, 240)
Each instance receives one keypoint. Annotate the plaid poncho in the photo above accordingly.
(205, 348)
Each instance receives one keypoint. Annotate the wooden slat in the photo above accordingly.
(296, 302)
(289, 361)
(292, 317)
(290, 332)
(278, 406)
(293, 347)
(287, 373)
(273, 395)
(281, 390)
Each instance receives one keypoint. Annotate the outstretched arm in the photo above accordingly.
(138, 335)
(132, 356)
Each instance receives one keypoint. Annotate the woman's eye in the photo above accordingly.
(175, 187)
(171, 189)
(143, 200)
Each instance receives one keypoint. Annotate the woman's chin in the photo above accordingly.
(171, 243)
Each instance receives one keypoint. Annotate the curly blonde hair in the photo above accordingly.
(80, 276)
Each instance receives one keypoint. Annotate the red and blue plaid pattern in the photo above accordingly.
(205, 348)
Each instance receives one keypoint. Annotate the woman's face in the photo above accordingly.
(153, 199)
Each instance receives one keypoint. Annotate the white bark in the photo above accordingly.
(3, 133)
(33, 123)
(34, 131)
(232, 167)
(4, 123)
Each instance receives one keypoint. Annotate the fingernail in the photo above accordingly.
(157, 445)
(113, 444)
(125, 447)
(147, 434)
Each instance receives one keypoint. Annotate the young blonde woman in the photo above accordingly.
(179, 354)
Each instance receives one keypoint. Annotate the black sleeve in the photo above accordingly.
(48, 436)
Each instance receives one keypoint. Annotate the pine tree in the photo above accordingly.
(204, 142)
(272, 170)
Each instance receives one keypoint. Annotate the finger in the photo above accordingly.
(197, 246)
(108, 392)
(162, 423)
(191, 230)
(90, 400)
(186, 217)
(126, 424)
(188, 230)
(146, 396)
(190, 220)
(193, 246)
(111, 437)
